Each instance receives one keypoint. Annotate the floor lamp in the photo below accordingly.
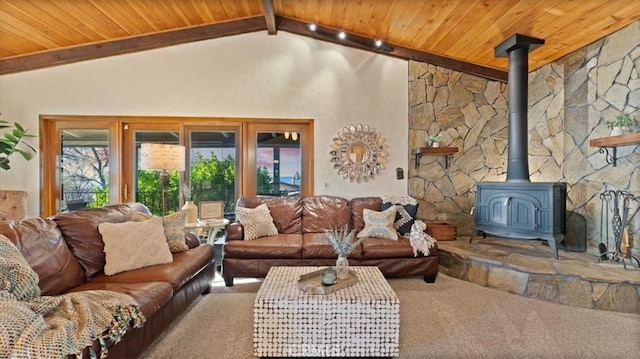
(163, 158)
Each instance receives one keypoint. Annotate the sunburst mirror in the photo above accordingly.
(358, 153)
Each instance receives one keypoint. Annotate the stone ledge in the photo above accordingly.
(579, 281)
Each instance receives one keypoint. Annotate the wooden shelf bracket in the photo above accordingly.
(610, 157)
(447, 152)
(609, 145)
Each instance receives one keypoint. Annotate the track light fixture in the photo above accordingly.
(359, 41)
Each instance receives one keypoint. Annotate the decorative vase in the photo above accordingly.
(190, 212)
(342, 268)
(435, 144)
(617, 131)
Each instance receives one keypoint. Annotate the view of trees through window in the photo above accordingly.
(85, 176)
(214, 180)
(211, 180)
(80, 170)
(85, 181)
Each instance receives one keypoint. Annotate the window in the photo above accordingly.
(84, 165)
(225, 158)
(213, 164)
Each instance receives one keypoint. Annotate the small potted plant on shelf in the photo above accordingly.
(434, 140)
(624, 123)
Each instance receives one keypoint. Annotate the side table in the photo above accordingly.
(212, 227)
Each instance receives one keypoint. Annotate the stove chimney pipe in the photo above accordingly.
(517, 48)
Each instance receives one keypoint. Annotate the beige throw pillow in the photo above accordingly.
(173, 229)
(257, 222)
(379, 224)
(133, 245)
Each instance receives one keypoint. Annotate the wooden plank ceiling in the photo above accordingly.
(459, 34)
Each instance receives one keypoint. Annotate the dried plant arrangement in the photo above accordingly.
(342, 240)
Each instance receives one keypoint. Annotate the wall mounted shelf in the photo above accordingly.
(613, 142)
(435, 151)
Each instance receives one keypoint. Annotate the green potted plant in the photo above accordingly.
(12, 141)
(434, 140)
(624, 123)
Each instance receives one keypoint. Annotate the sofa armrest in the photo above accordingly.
(191, 239)
(235, 231)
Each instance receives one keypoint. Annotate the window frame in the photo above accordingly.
(122, 145)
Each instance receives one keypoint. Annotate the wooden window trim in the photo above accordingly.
(120, 146)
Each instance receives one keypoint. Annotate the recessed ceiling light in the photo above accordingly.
(377, 42)
(313, 27)
(342, 35)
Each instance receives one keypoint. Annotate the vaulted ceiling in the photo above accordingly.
(459, 34)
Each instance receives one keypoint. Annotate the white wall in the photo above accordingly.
(250, 75)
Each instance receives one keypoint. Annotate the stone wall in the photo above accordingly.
(602, 80)
(569, 101)
(471, 113)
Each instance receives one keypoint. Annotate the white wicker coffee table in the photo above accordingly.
(358, 321)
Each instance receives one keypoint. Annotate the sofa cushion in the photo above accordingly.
(150, 296)
(174, 232)
(286, 211)
(133, 245)
(407, 209)
(357, 207)
(80, 231)
(257, 222)
(321, 213)
(315, 245)
(41, 243)
(379, 224)
(383, 248)
(185, 266)
(173, 229)
(280, 246)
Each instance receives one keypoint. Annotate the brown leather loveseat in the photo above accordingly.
(66, 251)
(300, 241)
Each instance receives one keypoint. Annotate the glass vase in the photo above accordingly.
(342, 268)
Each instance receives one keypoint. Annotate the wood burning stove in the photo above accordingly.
(522, 211)
(518, 208)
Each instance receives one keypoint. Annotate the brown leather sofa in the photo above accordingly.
(66, 251)
(301, 225)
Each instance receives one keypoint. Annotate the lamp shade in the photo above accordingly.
(162, 157)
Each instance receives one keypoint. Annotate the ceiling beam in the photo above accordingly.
(269, 16)
(365, 43)
(211, 31)
(129, 45)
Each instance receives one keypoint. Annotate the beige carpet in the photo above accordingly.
(448, 319)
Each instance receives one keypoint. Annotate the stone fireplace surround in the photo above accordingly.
(569, 101)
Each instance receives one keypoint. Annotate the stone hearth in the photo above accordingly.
(527, 268)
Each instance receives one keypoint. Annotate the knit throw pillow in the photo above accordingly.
(173, 229)
(257, 222)
(407, 209)
(133, 245)
(379, 224)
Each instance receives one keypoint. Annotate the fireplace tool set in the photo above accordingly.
(618, 203)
